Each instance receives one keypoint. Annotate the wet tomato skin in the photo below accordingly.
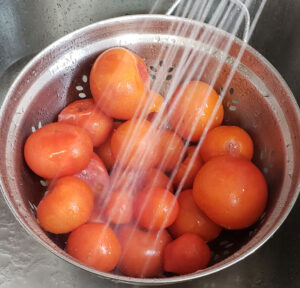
(186, 254)
(57, 150)
(67, 206)
(231, 191)
(85, 114)
(142, 251)
(96, 245)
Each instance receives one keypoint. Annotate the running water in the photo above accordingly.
(191, 64)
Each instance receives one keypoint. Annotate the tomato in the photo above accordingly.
(172, 146)
(135, 144)
(119, 83)
(95, 174)
(231, 191)
(186, 254)
(192, 106)
(194, 163)
(156, 101)
(57, 150)
(119, 208)
(156, 178)
(104, 150)
(142, 251)
(96, 245)
(155, 208)
(84, 113)
(67, 206)
(227, 140)
(160, 120)
(191, 219)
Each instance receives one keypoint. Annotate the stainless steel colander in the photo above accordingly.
(258, 100)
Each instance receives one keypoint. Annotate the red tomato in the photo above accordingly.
(96, 245)
(142, 251)
(95, 174)
(119, 208)
(57, 150)
(196, 164)
(227, 140)
(186, 254)
(135, 144)
(193, 107)
(155, 208)
(191, 219)
(119, 83)
(68, 205)
(84, 113)
(231, 191)
(172, 146)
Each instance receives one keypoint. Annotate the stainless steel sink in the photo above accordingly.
(30, 25)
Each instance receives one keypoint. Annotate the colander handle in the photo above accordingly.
(237, 2)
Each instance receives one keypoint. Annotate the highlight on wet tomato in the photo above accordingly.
(142, 251)
(95, 174)
(231, 191)
(227, 140)
(191, 219)
(135, 144)
(96, 245)
(67, 206)
(119, 209)
(186, 254)
(191, 108)
(172, 146)
(155, 208)
(84, 113)
(184, 176)
(119, 83)
(57, 150)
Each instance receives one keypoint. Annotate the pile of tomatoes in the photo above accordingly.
(128, 180)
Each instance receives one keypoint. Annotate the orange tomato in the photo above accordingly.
(96, 245)
(84, 113)
(231, 191)
(192, 107)
(191, 219)
(227, 140)
(142, 251)
(156, 178)
(155, 208)
(172, 146)
(181, 172)
(119, 83)
(135, 144)
(67, 206)
(119, 209)
(186, 254)
(57, 150)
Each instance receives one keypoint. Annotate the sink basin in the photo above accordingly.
(28, 26)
